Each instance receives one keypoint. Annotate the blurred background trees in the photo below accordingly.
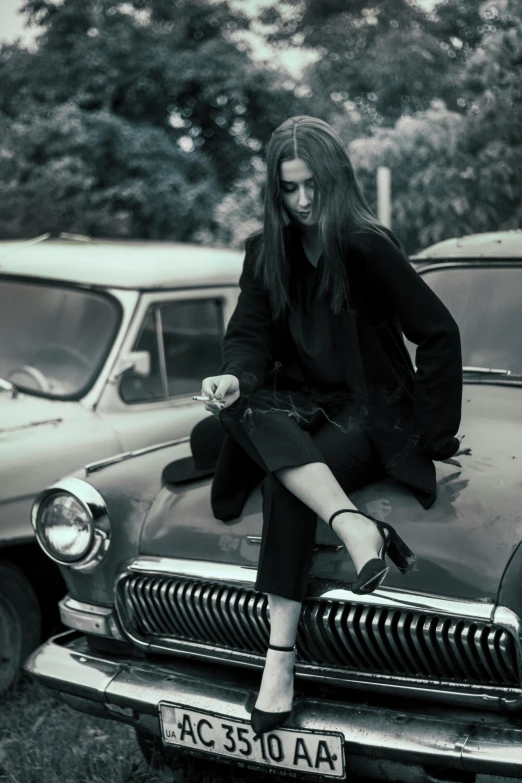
(149, 118)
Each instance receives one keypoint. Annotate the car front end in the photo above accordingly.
(419, 681)
(422, 683)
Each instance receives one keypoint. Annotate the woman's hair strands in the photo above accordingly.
(339, 208)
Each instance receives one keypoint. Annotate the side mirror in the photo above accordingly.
(137, 361)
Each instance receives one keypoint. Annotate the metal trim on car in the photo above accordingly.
(92, 467)
(472, 694)
(256, 540)
(468, 743)
(394, 598)
(94, 505)
(425, 263)
(90, 618)
(203, 569)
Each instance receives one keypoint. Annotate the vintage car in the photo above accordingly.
(419, 681)
(103, 345)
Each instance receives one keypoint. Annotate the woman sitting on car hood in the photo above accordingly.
(317, 386)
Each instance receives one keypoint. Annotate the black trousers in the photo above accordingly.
(289, 428)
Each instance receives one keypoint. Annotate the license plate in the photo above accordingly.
(299, 750)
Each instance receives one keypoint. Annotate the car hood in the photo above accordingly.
(24, 410)
(464, 541)
(42, 440)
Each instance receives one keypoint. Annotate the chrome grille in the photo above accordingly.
(337, 634)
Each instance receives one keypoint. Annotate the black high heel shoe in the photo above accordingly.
(374, 571)
(262, 721)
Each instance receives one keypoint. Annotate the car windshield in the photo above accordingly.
(55, 337)
(486, 304)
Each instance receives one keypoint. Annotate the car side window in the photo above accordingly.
(135, 388)
(184, 340)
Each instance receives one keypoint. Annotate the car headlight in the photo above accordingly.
(65, 527)
(71, 523)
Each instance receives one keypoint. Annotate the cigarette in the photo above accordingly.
(201, 398)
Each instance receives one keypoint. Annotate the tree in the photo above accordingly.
(175, 65)
(454, 173)
(64, 169)
(429, 192)
(130, 119)
(238, 214)
(380, 59)
(492, 94)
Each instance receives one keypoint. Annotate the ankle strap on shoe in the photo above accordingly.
(343, 511)
(281, 649)
(380, 525)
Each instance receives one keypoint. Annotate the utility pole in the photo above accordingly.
(384, 195)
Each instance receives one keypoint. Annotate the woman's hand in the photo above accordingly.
(223, 390)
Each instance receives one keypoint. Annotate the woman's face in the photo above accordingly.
(297, 188)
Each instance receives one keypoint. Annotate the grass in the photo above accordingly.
(45, 741)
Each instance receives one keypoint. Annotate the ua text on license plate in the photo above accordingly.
(299, 750)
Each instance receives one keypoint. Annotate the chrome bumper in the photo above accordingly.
(414, 741)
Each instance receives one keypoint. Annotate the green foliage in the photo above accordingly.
(429, 193)
(385, 59)
(175, 65)
(130, 119)
(492, 82)
(434, 96)
(149, 119)
(238, 214)
(64, 169)
(43, 740)
(454, 174)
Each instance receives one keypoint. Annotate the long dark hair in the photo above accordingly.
(339, 207)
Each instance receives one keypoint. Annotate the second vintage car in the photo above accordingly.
(419, 681)
(103, 345)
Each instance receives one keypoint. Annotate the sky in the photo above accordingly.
(12, 23)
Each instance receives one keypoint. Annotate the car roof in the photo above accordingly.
(493, 244)
(125, 264)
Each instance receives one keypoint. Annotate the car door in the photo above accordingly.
(182, 332)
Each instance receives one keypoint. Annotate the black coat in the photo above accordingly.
(414, 415)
